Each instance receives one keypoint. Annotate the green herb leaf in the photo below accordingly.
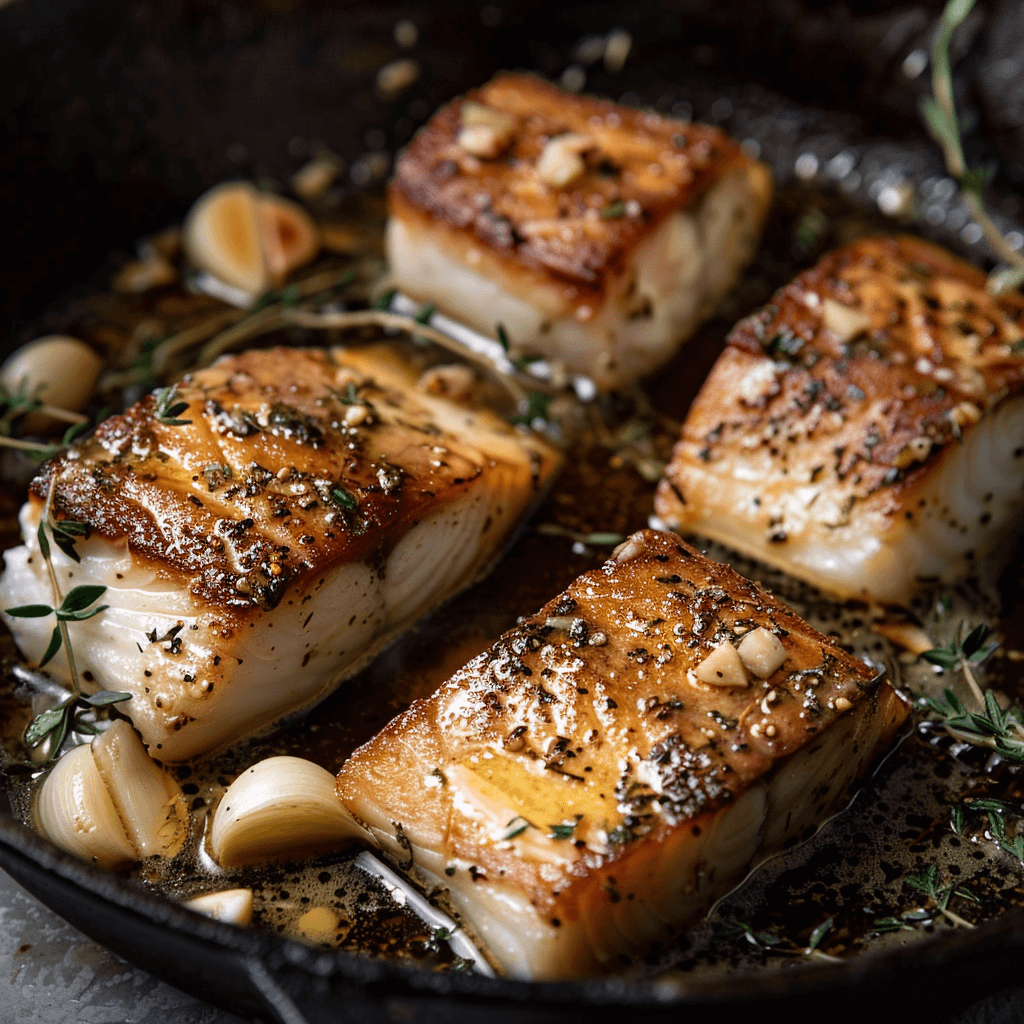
(104, 698)
(384, 302)
(29, 611)
(537, 405)
(168, 409)
(502, 336)
(56, 639)
(819, 933)
(79, 598)
(344, 498)
(424, 315)
(45, 723)
(613, 211)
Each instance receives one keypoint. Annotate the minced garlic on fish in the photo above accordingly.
(595, 234)
(618, 761)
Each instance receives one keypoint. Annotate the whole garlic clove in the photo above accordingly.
(232, 905)
(148, 800)
(59, 370)
(290, 238)
(282, 808)
(74, 811)
(108, 802)
(248, 239)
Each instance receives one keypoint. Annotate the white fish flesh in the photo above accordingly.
(617, 762)
(594, 234)
(865, 430)
(306, 507)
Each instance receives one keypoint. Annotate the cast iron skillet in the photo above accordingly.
(118, 114)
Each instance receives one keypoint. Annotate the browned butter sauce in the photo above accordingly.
(836, 891)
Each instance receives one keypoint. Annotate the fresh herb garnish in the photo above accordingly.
(168, 409)
(565, 829)
(940, 895)
(517, 829)
(384, 302)
(344, 498)
(597, 539)
(425, 313)
(613, 211)
(502, 336)
(535, 407)
(939, 112)
(961, 654)
(994, 728)
(57, 722)
(771, 940)
(76, 607)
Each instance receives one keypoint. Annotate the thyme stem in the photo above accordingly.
(945, 129)
(58, 597)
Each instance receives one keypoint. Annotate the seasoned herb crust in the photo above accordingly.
(284, 464)
(638, 168)
(832, 411)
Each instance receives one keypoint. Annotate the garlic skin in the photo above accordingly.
(109, 803)
(282, 808)
(233, 906)
(60, 370)
(248, 239)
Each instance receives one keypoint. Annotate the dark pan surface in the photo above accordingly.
(120, 114)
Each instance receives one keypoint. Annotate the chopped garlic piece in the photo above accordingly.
(560, 162)
(761, 652)
(844, 321)
(723, 667)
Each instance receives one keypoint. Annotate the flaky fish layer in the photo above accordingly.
(263, 543)
(865, 430)
(581, 792)
(596, 234)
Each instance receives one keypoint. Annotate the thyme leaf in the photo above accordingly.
(168, 409)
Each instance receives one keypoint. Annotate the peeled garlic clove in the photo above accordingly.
(248, 239)
(110, 803)
(74, 811)
(222, 235)
(232, 905)
(59, 370)
(148, 800)
(282, 808)
(288, 235)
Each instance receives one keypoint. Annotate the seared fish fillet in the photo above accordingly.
(314, 504)
(865, 430)
(617, 762)
(596, 234)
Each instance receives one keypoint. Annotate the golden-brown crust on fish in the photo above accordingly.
(842, 397)
(639, 168)
(288, 462)
(558, 762)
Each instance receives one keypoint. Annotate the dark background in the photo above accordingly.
(115, 115)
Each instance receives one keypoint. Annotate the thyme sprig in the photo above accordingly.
(940, 894)
(939, 112)
(58, 722)
(597, 539)
(79, 604)
(771, 940)
(999, 730)
(20, 401)
(962, 654)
